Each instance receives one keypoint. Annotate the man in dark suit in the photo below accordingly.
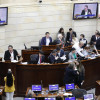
(52, 57)
(69, 36)
(60, 52)
(94, 38)
(37, 58)
(11, 54)
(46, 40)
(86, 11)
(98, 42)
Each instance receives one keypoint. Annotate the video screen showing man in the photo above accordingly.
(99, 12)
(86, 11)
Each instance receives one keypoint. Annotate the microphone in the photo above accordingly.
(25, 46)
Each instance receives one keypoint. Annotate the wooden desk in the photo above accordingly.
(97, 87)
(26, 75)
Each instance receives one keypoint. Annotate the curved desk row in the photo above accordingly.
(26, 75)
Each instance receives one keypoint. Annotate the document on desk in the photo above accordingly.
(66, 94)
(0, 90)
(14, 61)
(24, 63)
(63, 57)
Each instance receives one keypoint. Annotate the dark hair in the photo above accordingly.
(58, 48)
(71, 65)
(73, 49)
(98, 34)
(10, 46)
(70, 29)
(82, 35)
(54, 51)
(60, 29)
(47, 33)
(86, 6)
(9, 79)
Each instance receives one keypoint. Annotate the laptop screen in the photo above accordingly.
(29, 99)
(89, 96)
(36, 88)
(50, 98)
(70, 98)
(69, 86)
(54, 87)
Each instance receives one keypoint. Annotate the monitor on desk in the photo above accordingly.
(70, 98)
(89, 96)
(53, 87)
(50, 98)
(29, 99)
(36, 88)
(35, 47)
(69, 87)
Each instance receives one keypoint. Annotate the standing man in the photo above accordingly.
(69, 36)
(46, 40)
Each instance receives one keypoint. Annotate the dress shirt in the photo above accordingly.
(12, 56)
(47, 41)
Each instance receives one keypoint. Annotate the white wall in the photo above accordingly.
(28, 21)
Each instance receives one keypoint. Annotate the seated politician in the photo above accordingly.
(60, 41)
(11, 54)
(46, 40)
(98, 42)
(72, 54)
(60, 52)
(37, 58)
(52, 57)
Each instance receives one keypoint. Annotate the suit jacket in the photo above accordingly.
(51, 59)
(84, 43)
(98, 44)
(83, 12)
(58, 42)
(7, 55)
(70, 76)
(61, 53)
(93, 39)
(71, 56)
(43, 41)
(34, 58)
(68, 36)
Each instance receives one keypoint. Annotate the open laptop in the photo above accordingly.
(50, 98)
(36, 88)
(53, 88)
(89, 96)
(70, 98)
(29, 99)
(69, 87)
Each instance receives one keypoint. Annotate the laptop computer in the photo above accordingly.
(69, 87)
(29, 99)
(70, 98)
(89, 96)
(36, 88)
(53, 87)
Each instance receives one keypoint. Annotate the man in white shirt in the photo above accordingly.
(78, 47)
(46, 40)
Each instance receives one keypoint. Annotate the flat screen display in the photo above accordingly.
(50, 98)
(85, 11)
(29, 99)
(36, 88)
(3, 15)
(54, 87)
(99, 11)
(89, 97)
(70, 98)
(70, 86)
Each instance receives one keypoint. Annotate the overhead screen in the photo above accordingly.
(85, 11)
(99, 11)
(3, 15)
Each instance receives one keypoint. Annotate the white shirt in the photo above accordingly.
(78, 49)
(86, 13)
(84, 41)
(39, 61)
(47, 41)
(12, 56)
